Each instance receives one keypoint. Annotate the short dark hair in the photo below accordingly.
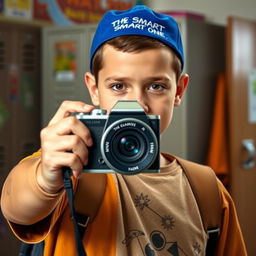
(133, 43)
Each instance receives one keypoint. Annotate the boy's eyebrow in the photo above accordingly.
(116, 78)
(158, 78)
(148, 79)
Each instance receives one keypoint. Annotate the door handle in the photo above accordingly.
(248, 146)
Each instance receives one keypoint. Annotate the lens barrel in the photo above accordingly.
(129, 146)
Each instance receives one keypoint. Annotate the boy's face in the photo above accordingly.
(147, 77)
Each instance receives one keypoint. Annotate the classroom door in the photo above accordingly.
(241, 77)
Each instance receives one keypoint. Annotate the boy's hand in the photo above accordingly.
(64, 142)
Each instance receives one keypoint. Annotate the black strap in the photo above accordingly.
(69, 190)
(213, 237)
(32, 249)
(82, 221)
(25, 249)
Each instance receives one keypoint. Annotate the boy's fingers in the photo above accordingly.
(68, 126)
(68, 143)
(77, 174)
(56, 160)
(68, 107)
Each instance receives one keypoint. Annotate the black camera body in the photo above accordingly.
(126, 141)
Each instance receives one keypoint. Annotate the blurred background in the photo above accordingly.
(44, 52)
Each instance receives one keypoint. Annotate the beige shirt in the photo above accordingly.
(158, 215)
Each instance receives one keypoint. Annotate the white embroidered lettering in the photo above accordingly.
(139, 23)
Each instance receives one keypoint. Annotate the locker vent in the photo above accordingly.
(2, 55)
(28, 58)
(2, 158)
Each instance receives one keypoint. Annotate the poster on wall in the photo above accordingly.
(65, 61)
(18, 8)
(70, 12)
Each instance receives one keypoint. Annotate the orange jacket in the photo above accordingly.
(100, 237)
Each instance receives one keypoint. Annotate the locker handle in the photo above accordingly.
(248, 145)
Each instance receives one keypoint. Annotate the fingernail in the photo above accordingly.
(87, 107)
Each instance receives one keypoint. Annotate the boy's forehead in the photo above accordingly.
(110, 50)
(139, 20)
(159, 60)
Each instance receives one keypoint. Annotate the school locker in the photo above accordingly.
(20, 115)
(204, 51)
(65, 60)
(5, 103)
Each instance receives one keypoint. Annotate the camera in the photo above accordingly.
(126, 141)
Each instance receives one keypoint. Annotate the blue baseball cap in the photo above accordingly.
(139, 20)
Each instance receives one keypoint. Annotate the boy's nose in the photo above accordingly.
(144, 105)
(141, 99)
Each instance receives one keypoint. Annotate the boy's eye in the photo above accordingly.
(156, 87)
(118, 87)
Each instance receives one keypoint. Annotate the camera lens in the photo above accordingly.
(129, 146)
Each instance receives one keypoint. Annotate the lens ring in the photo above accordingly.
(127, 124)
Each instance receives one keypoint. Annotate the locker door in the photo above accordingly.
(26, 119)
(19, 106)
(6, 239)
(8, 92)
(241, 63)
(5, 107)
(66, 59)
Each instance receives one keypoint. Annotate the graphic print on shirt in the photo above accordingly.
(142, 201)
(158, 242)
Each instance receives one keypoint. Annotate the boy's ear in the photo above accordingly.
(181, 88)
(91, 84)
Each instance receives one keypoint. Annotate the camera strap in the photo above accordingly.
(77, 219)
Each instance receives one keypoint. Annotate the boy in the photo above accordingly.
(136, 55)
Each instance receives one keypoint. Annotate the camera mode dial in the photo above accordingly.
(98, 112)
